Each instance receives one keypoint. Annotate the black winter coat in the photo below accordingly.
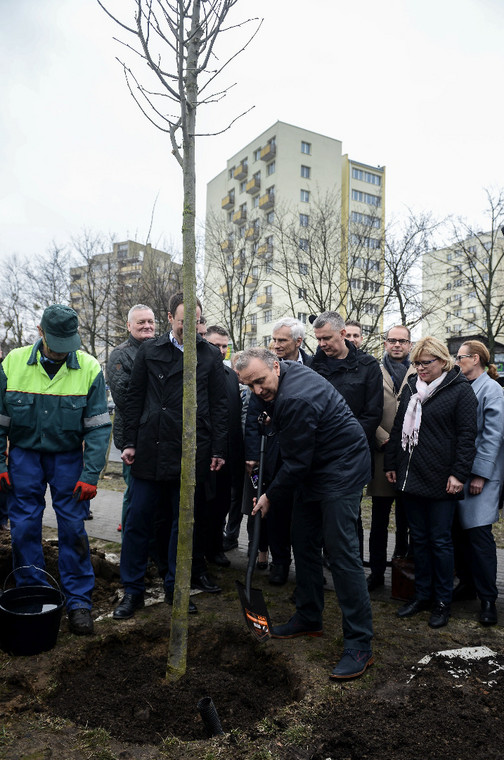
(119, 368)
(153, 415)
(359, 380)
(235, 456)
(446, 440)
(322, 447)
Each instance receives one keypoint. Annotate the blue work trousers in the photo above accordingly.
(331, 521)
(30, 473)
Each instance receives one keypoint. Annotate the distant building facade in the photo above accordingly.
(266, 256)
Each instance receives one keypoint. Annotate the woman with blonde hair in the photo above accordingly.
(429, 458)
(475, 552)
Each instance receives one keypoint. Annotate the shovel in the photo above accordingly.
(252, 600)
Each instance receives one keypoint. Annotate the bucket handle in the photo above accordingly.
(25, 567)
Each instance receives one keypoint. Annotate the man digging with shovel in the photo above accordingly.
(325, 463)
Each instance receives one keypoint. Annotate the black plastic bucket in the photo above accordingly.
(30, 618)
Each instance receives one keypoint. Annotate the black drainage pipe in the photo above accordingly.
(209, 716)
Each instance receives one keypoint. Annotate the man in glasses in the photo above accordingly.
(396, 368)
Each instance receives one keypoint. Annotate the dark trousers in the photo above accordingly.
(476, 559)
(279, 531)
(151, 503)
(430, 522)
(331, 521)
(378, 537)
(217, 507)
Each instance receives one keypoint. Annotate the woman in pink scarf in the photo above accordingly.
(429, 458)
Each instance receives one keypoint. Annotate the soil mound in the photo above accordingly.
(122, 687)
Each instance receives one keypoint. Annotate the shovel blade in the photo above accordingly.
(255, 612)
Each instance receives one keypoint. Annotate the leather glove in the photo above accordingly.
(5, 483)
(84, 491)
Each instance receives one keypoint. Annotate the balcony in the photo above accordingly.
(265, 250)
(268, 152)
(251, 281)
(252, 233)
(267, 201)
(250, 328)
(253, 186)
(227, 245)
(241, 171)
(223, 290)
(240, 216)
(265, 300)
(239, 260)
(229, 201)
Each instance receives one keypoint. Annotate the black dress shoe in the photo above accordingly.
(169, 600)
(203, 583)
(228, 544)
(412, 608)
(440, 615)
(80, 621)
(488, 613)
(219, 559)
(278, 574)
(127, 606)
(375, 581)
(463, 592)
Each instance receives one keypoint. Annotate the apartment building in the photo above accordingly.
(294, 227)
(106, 285)
(463, 291)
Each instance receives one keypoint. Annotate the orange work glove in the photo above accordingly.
(84, 491)
(5, 483)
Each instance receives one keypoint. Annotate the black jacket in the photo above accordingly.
(235, 456)
(445, 441)
(322, 447)
(119, 368)
(153, 414)
(359, 380)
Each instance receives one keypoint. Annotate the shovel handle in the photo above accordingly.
(254, 547)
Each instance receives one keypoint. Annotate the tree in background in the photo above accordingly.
(176, 42)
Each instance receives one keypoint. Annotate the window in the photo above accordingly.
(255, 201)
(370, 308)
(302, 267)
(302, 317)
(305, 171)
(365, 242)
(373, 179)
(305, 196)
(254, 297)
(266, 341)
(231, 172)
(270, 217)
(268, 267)
(243, 185)
(448, 257)
(268, 315)
(253, 319)
(306, 147)
(304, 244)
(471, 249)
(304, 220)
(270, 169)
(257, 176)
(257, 154)
(488, 245)
(268, 290)
(366, 219)
(472, 294)
(371, 200)
(302, 293)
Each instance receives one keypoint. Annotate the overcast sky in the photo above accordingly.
(415, 85)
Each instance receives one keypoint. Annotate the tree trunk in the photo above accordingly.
(177, 651)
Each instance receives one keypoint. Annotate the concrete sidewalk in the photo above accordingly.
(107, 505)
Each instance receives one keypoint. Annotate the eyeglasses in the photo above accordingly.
(401, 341)
(462, 356)
(425, 364)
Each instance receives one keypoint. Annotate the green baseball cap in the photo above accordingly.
(60, 324)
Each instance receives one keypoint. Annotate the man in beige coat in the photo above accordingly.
(395, 369)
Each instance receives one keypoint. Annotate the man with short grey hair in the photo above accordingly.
(354, 373)
(141, 326)
(288, 335)
(325, 463)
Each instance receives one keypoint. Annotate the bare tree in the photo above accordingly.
(177, 41)
(474, 292)
(48, 280)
